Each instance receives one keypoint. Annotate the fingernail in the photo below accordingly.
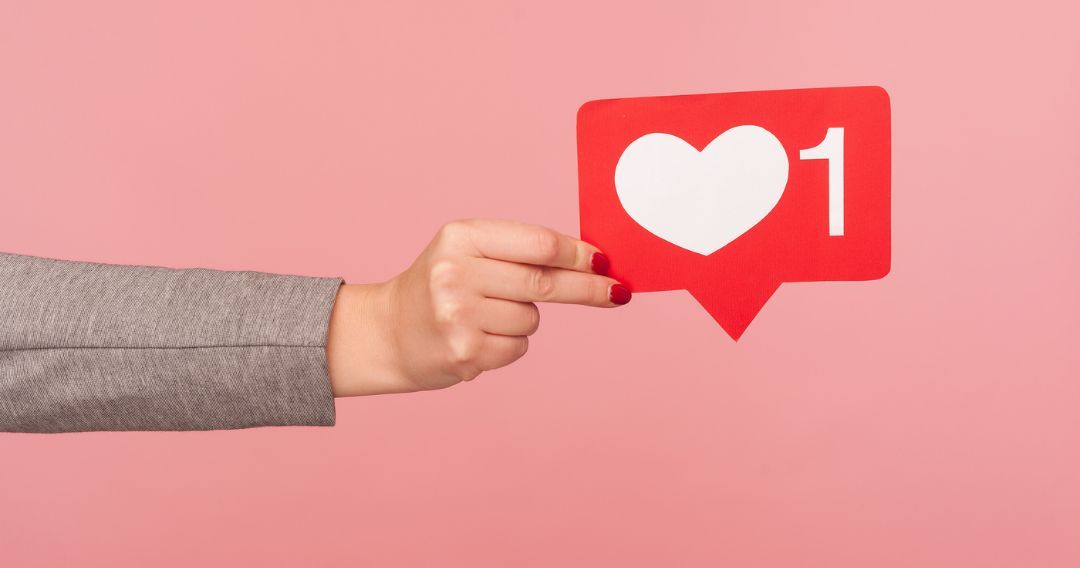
(599, 263)
(619, 294)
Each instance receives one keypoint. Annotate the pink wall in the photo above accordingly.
(929, 419)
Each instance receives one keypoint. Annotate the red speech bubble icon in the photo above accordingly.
(730, 195)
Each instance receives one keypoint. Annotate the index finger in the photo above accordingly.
(533, 244)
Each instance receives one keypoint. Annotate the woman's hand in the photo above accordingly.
(465, 306)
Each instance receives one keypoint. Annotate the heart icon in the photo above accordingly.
(701, 201)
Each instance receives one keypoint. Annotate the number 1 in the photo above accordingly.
(832, 149)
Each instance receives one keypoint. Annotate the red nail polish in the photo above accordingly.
(599, 263)
(619, 294)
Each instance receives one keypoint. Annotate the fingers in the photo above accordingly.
(500, 351)
(505, 317)
(525, 283)
(532, 244)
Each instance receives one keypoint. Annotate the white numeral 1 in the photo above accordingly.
(832, 149)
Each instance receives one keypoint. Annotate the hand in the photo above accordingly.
(465, 306)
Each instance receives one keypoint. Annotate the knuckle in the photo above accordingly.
(468, 373)
(449, 312)
(541, 283)
(523, 347)
(547, 246)
(446, 274)
(453, 232)
(463, 350)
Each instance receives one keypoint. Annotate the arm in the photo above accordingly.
(88, 346)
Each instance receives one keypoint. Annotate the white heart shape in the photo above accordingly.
(701, 201)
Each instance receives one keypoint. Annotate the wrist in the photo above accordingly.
(361, 354)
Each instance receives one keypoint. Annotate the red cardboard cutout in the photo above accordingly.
(812, 233)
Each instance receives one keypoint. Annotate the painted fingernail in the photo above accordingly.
(619, 294)
(599, 263)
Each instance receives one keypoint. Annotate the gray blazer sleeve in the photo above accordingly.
(89, 346)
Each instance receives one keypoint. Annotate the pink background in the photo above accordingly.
(929, 419)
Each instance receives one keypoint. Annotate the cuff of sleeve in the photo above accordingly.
(303, 306)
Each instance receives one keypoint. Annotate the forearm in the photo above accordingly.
(87, 346)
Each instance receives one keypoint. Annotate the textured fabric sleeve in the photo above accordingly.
(90, 346)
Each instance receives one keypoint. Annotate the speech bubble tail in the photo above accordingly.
(734, 307)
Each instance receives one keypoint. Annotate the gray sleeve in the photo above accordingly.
(89, 346)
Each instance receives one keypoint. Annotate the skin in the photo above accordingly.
(465, 306)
